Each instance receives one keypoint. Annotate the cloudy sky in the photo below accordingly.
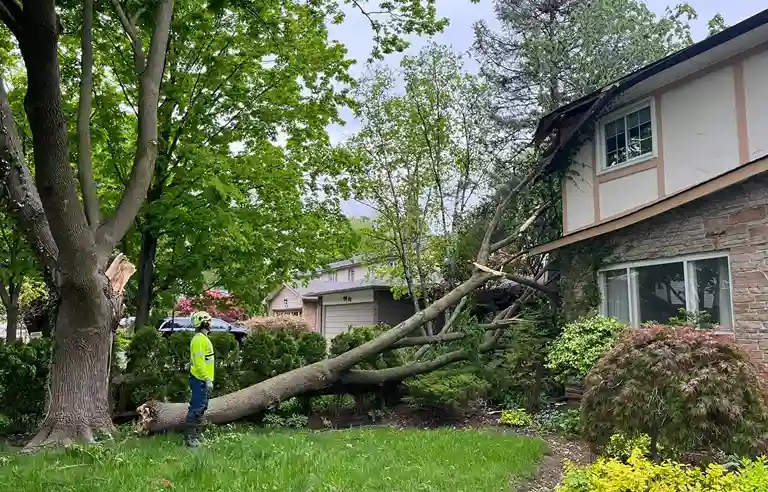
(356, 34)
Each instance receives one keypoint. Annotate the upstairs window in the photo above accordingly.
(627, 136)
(351, 275)
(333, 276)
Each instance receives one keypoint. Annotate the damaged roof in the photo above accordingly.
(585, 108)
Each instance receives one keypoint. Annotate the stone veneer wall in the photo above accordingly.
(733, 220)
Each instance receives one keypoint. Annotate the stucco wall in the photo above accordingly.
(705, 125)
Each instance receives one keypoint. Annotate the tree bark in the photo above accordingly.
(78, 404)
(9, 292)
(146, 276)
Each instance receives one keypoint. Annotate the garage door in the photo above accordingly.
(339, 318)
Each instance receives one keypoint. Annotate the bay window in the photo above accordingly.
(657, 290)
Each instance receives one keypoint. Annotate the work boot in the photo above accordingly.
(191, 437)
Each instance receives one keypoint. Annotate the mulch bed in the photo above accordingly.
(550, 471)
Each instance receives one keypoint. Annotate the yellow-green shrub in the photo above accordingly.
(515, 418)
(641, 475)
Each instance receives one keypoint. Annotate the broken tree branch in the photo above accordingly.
(512, 237)
(445, 329)
(485, 249)
(84, 150)
(112, 231)
(520, 279)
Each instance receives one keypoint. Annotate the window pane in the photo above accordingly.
(616, 299)
(645, 130)
(620, 141)
(632, 120)
(712, 294)
(660, 292)
(610, 145)
(610, 129)
(619, 126)
(646, 146)
(611, 159)
(645, 115)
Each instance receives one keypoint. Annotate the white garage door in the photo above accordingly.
(339, 318)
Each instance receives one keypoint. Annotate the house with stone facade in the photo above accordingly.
(665, 189)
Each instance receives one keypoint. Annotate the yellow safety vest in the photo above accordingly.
(201, 357)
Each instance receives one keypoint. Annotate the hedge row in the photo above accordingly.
(153, 366)
(157, 365)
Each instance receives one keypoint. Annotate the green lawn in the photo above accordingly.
(373, 459)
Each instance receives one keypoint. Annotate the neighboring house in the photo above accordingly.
(344, 295)
(666, 185)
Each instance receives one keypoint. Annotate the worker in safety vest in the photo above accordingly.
(200, 376)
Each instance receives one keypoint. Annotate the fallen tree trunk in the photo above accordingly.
(159, 416)
(155, 416)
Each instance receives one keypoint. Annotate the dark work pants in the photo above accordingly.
(198, 404)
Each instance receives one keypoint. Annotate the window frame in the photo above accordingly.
(622, 113)
(689, 288)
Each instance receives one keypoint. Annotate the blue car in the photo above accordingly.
(171, 324)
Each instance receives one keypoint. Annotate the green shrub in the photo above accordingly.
(685, 388)
(227, 357)
(640, 475)
(621, 446)
(451, 390)
(520, 372)
(158, 366)
(23, 379)
(581, 345)
(313, 347)
(565, 422)
(346, 341)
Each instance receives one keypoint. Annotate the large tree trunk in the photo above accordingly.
(78, 406)
(146, 277)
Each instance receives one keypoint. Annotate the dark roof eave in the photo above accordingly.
(349, 289)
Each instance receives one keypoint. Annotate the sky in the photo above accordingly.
(356, 34)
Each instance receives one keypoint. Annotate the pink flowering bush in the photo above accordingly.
(217, 303)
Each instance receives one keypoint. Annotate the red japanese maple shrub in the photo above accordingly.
(687, 389)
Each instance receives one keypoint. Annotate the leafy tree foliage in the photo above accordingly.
(18, 268)
(549, 53)
(424, 158)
